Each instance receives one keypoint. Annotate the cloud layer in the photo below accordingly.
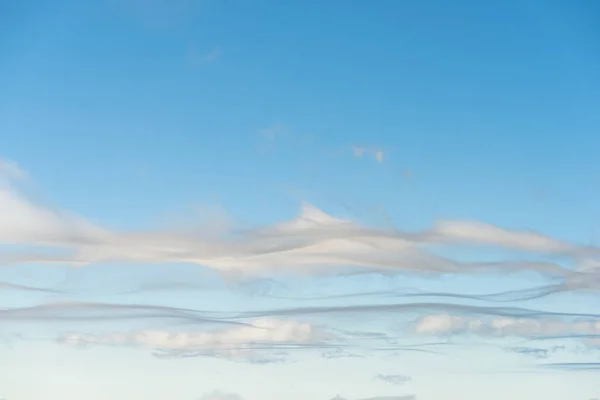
(272, 335)
(445, 324)
(264, 340)
(313, 242)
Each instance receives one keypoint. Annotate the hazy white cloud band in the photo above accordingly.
(313, 242)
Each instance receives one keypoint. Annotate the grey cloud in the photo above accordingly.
(26, 288)
(415, 308)
(86, 311)
(534, 352)
(531, 351)
(501, 297)
(540, 352)
(255, 357)
(340, 353)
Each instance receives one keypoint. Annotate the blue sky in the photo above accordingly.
(223, 200)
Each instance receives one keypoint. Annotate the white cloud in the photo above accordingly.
(24, 222)
(444, 324)
(254, 343)
(312, 242)
(474, 232)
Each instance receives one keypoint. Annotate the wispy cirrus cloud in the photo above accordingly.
(27, 288)
(227, 335)
(377, 154)
(10, 170)
(275, 335)
(443, 324)
(444, 314)
(313, 242)
(421, 320)
(77, 311)
(271, 335)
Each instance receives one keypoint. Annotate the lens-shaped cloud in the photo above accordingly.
(313, 242)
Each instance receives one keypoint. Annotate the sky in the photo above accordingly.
(218, 200)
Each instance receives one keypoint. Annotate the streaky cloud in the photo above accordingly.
(534, 352)
(26, 288)
(88, 311)
(313, 242)
(499, 297)
(574, 366)
(415, 307)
